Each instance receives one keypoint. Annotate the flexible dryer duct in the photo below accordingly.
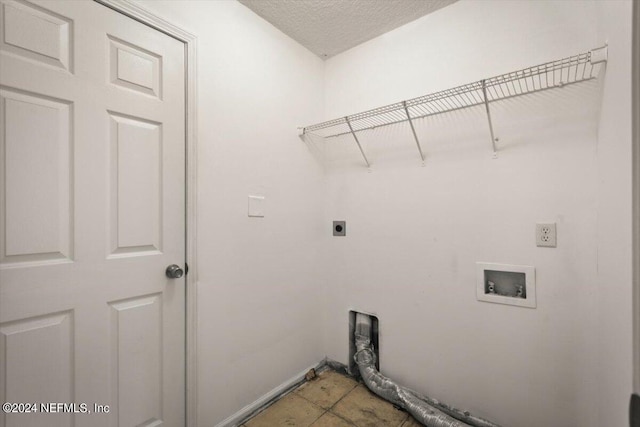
(428, 411)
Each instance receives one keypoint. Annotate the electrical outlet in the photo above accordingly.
(546, 235)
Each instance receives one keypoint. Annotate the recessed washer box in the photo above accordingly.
(506, 284)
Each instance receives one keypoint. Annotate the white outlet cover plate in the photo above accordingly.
(256, 206)
(546, 235)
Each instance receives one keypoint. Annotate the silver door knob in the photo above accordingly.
(174, 272)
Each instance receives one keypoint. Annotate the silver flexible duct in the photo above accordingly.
(428, 411)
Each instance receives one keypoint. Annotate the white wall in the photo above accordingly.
(414, 234)
(614, 218)
(259, 279)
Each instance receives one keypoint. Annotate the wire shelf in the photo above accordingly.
(554, 74)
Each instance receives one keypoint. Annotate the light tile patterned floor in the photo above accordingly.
(332, 400)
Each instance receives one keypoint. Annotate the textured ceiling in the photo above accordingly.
(328, 27)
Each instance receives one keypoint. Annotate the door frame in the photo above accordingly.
(634, 405)
(635, 119)
(135, 12)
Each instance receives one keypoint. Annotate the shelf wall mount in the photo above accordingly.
(550, 75)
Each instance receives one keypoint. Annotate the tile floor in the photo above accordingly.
(332, 400)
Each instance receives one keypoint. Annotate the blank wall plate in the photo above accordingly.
(546, 235)
(256, 206)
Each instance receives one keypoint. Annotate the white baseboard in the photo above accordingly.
(242, 414)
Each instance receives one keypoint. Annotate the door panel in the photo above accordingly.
(136, 358)
(37, 33)
(36, 141)
(136, 186)
(92, 190)
(33, 375)
(135, 68)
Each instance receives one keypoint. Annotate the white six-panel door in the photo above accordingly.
(92, 194)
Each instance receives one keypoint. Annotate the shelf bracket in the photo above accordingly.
(486, 105)
(413, 130)
(598, 55)
(357, 142)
